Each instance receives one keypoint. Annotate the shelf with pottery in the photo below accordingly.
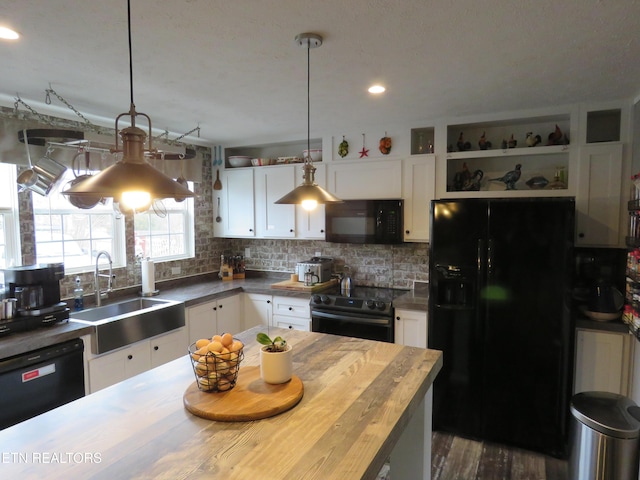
(270, 154)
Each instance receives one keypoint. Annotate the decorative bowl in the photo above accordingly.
(316, 155)
(602, 316)
(239, 161)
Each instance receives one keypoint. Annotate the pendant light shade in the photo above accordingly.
(309, 194)
(131, 181)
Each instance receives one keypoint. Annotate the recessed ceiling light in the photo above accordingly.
(8, 34)
(376, 89)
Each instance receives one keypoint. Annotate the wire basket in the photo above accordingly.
(215, 372)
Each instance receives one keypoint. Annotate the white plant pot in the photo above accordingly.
(276, 367)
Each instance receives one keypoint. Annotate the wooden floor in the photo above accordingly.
(455, 458)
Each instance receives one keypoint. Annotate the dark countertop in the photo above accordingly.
(417, 299)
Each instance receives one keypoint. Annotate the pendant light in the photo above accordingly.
(131, 181)
(309, 194)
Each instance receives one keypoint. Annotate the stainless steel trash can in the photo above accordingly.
(604, 437)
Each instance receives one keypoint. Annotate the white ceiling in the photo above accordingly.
(233, 67)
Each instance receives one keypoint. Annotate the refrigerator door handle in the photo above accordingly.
(489, 257)
(480, 255)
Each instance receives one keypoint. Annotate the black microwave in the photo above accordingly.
(364, 221)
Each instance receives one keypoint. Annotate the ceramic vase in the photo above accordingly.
(276, 367)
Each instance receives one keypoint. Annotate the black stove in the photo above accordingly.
(367, 312)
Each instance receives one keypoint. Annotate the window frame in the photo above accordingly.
(11, 217)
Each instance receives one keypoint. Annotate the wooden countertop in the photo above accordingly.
(359, 396)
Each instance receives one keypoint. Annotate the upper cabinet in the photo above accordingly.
(418, 189)
(271, 184)
(372, 179)
(234, 203)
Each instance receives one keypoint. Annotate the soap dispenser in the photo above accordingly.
(78, 296)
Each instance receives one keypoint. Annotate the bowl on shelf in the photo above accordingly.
(316, 154)
(239, 161)
(602, 316)
(259, 162)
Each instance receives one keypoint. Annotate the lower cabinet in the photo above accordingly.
(215, 317)
(277, 311)
(411, 328)
(257, 310)
(603, 361)
(113, 367)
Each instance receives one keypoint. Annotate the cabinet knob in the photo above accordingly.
(268, 301)
(215, 308)
(219, 306)
(322, 230)
(291, 230)
(290, 308)
(290, 327)
(251, 229)
(130, 357)
(398, 318)
(156, 348)
(407, 232)
(581, 235)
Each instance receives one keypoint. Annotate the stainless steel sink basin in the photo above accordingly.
(119, 324)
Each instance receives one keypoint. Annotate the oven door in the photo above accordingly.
(350, 324)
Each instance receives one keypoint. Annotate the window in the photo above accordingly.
(9, 226)
(166, 231)
(74, 236)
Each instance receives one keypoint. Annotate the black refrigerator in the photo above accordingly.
(500, 310)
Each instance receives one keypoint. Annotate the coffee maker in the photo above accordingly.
(36, 289)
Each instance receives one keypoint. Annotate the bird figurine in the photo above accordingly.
(473, 184)
(461, 178)
(483, 143)
(512, 142)
(532, 140)
(537, 182)
(555, 137)
(510, 178)
(461, 144)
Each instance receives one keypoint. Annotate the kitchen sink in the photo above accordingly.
(119, 324)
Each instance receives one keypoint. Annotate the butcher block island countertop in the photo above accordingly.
(361, 399)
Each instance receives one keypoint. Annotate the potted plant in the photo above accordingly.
(276, 364)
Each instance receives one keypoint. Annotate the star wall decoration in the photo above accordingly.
(365, 151)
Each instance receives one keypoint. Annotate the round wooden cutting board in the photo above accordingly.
(250, 399)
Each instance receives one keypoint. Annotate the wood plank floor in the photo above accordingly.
(456, 458)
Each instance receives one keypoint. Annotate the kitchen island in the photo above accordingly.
(364, 402)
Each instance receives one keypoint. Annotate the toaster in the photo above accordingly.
(320, 266)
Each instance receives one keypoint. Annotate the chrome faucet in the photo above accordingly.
(100, 294)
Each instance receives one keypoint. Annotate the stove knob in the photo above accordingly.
(380, 305)
(370, 304)
(325, 299)
(316, 299)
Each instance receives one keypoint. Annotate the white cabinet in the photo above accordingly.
(277, 311)
(291, 312)
(169, 346)
(272, 183)
(418, 189)
(214, 318)
(257, 310)
(411, 328)
(310, 224)
(113, 367)
(602, 361)
(375, 179)
(236, 203)
(598, 197)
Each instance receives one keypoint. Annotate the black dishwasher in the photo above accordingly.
(40, 380)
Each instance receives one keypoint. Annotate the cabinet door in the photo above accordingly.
(365, 180)
(237, 207)
(411, 328)
(270, 185)
(598, 198)
(168, 346)
(201, 320)
(418, 189)
(228, 315)
(114, 367)
(310, 224)
(257, 310)
(601, 362)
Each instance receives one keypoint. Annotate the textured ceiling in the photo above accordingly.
(233, 67)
